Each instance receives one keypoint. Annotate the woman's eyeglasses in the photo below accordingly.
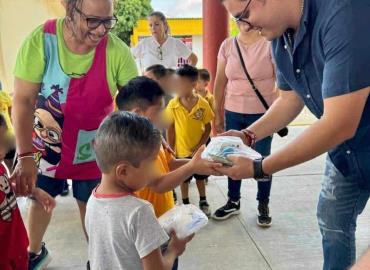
(241, 18)
(94, 22)
(160, 53)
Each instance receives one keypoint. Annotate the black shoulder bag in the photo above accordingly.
(283, 132)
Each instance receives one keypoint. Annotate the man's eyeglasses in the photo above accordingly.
(160, 53)
(241, 18)
(94, 22)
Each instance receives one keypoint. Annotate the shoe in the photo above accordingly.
(65, 191)
(39, 262)
(229, 209)
(263, 217)
(204, 206)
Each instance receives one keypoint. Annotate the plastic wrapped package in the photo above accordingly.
(184, 220)
(221, 147)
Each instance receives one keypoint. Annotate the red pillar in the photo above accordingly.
(215, 30)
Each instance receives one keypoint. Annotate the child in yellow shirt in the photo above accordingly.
(190, 116)
(204, 79)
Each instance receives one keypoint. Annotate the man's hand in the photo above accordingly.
(242, 168)
(202, 166)
(24, 177)
(47, 202)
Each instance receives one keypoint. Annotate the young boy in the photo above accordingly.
(190, 116)
(201, 87)
(123, 230)
(165, 78)
(13, 235)
(144, 97)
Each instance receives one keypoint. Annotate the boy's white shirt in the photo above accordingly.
(121, 232)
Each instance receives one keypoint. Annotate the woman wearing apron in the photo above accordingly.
(66, 75)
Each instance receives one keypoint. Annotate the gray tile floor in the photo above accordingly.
(292, 243)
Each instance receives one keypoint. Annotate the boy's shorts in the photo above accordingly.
(19, 264)
(82, 189)
(197, 177)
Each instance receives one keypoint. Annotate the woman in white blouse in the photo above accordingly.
(161, 48)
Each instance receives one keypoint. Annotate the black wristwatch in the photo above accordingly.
(259, 174)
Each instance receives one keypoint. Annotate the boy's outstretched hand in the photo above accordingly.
(178, 245)
(203, 166)
(47, 202)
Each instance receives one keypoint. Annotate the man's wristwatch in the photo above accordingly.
(259, 174)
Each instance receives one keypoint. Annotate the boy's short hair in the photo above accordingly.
(139, 92)
(188, 71)
(158, 71)
(125, 136)
(204, 75)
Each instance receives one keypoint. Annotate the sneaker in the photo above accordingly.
(229, 209)
(39, 262)
(65, 191)
(204, 206)
(263, 217)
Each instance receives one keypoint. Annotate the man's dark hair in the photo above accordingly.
(125, 136)
(139, 92)
(158, 71)
(188, 71)
(204, 75)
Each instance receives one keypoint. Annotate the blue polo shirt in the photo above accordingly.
(330, 56)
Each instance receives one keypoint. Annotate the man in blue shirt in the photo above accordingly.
(322, 54)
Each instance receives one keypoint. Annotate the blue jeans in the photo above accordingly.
(341, 200)
(240, 121)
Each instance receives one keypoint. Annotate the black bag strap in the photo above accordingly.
(258, 93)
(283, 132)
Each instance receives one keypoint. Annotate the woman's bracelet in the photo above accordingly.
(25, 154)
(250, 136)
(25, 157)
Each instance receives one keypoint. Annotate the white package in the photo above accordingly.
(221, 147)
(184, 220)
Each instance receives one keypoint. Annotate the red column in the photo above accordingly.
(215, 30)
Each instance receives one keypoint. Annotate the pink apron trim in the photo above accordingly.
(50, 27)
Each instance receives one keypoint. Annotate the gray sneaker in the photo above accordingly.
(204, 206)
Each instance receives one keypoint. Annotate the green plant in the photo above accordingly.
(128, 13)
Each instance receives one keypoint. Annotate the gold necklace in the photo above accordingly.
(302, 7)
